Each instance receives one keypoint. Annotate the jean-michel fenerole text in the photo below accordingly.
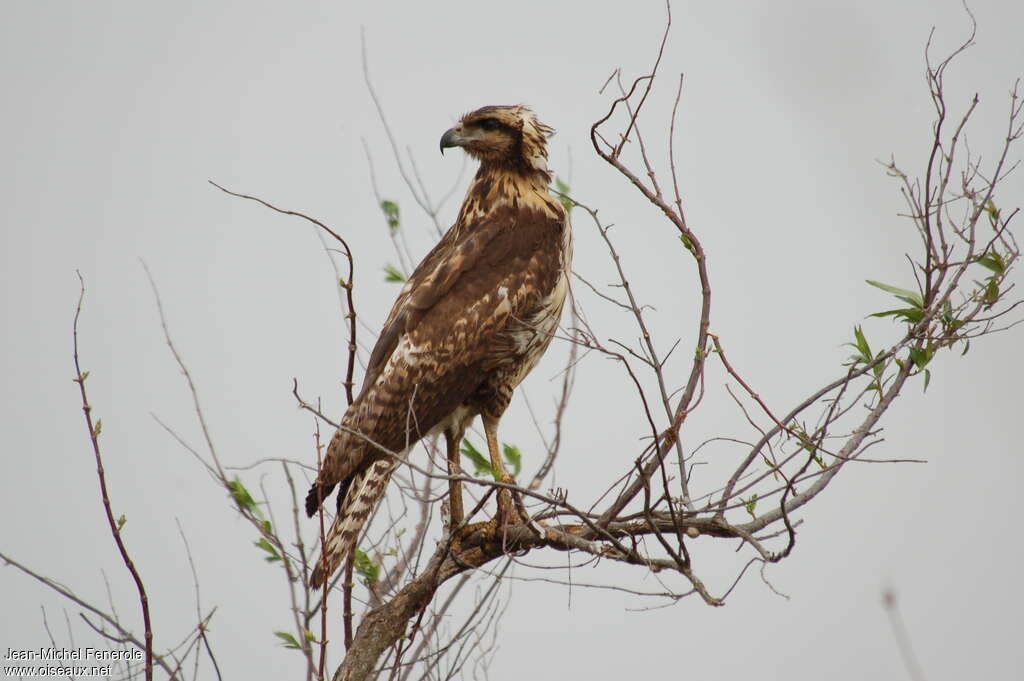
(90, 654)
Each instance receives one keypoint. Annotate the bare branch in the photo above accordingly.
(115, 528)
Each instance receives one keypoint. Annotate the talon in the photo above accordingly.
(488, 529)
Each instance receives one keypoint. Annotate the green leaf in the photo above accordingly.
(878, 370)
(308, 635)
(242, 497)
(907, 314)
(98, 428)
(993, 212)
(993, 261)
(392, 274)
(919, 357)
(911, 297)
(563, 188)
(860, 344)
(367, 569)
(81, 379)
(481, 465)
(269, 548)
(391, 215)
(121, 522)
(287, 640)
(266, 527)
(950, 324)
(807, 443)
(513, 458)
(687, 242)
(750, 504)
(991, 296)
(927, 379)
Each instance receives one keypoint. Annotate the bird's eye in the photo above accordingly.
(489, 124)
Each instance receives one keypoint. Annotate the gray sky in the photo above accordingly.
(116, 114)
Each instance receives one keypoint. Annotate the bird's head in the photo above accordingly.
(509, 136)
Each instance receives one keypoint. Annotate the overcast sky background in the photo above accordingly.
(117, 113)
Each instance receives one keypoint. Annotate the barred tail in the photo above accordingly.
(361, 497)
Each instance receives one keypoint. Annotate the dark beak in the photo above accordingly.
(448, 139)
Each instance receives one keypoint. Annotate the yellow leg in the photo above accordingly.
(455, 508)
(504, 496)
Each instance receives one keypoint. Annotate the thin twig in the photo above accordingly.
(115, 530)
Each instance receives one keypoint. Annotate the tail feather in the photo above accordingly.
(362, 495)
(317, 494)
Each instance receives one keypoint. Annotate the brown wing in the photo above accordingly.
(455, 321)
(393, 326)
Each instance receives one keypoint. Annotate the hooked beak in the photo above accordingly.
(451, 138)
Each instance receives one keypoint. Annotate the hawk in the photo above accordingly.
(471, 322)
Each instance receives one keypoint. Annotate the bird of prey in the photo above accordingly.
(471, 322)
